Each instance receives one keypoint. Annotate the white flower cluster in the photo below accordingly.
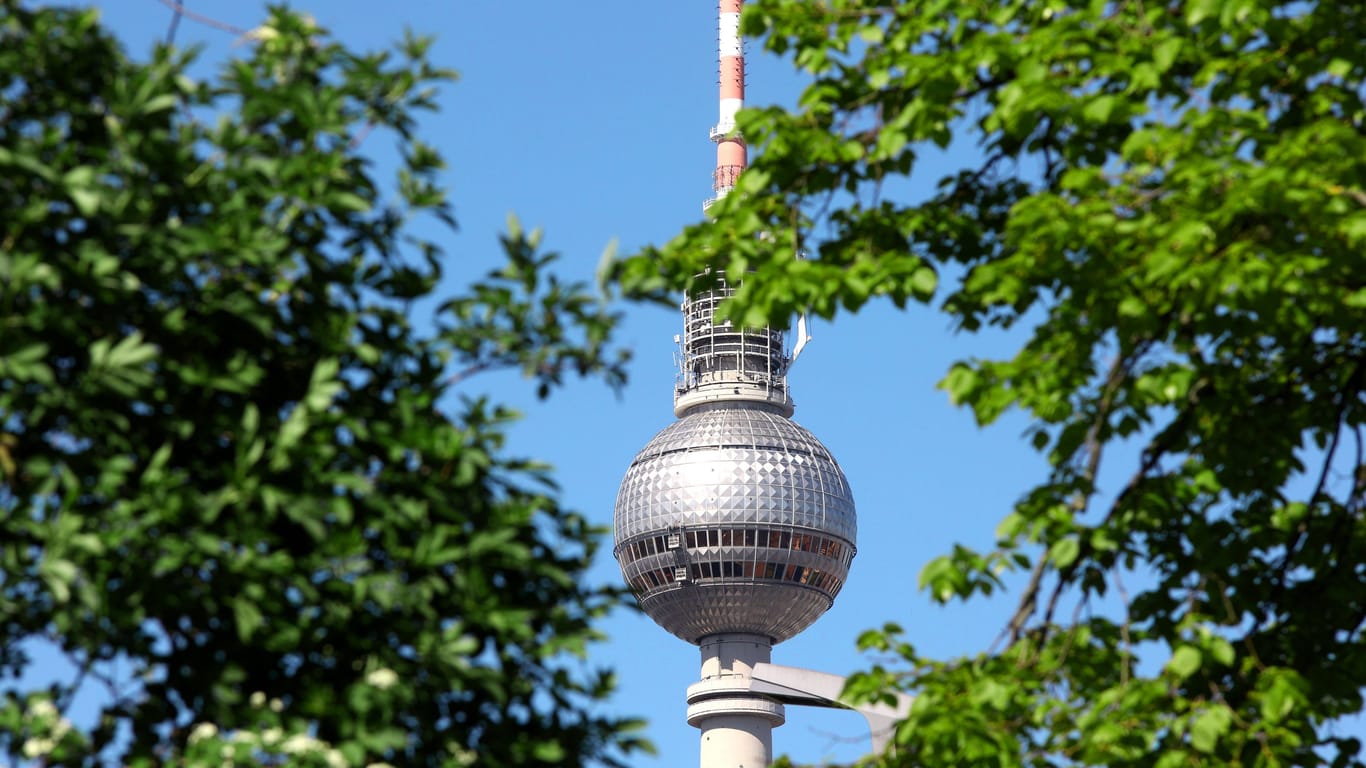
(203, 731)
(271, 740)
(42, 716)
(258, 700)
(462, 756)
(381, 678)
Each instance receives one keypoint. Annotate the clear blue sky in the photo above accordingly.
(591, 120)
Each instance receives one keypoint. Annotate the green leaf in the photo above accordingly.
(27, 364)
(129, 352)
(1209, 726)
(87, 200)
(25, 162)
(1132, 307)
(942, 578)
(1221, 650)
(292, 430)
(1185, 661)
(159, 103)
(961, 382)
(1283, 694)
(923, 282)
(79, 182)
(323, 386)
(60, 576)
(1199, 10)
(1101, 108)
(1354, 229)
(549, 752)
(248, 617)
(1166, 52)
(349, 201)
(1064, 552)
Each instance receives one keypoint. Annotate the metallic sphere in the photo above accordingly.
(734, 519)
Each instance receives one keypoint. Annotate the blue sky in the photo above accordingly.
(591, 121)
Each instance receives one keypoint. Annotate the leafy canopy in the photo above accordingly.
(1167, 202)
(238, 492)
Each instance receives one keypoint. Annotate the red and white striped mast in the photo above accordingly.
(730, 145)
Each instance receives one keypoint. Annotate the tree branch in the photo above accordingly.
(200, 18)
(176, 15)
(1095, 449)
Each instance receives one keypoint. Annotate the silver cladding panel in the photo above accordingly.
(735, 466)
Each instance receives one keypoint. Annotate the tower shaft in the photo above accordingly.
(737, 725)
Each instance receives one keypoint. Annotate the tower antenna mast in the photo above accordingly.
(731, 152)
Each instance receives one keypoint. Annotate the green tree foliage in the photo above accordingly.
(1167, 202)
(239, 494)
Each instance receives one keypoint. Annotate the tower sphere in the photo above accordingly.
(734, 519)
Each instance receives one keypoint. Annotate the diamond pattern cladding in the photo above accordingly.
(734, 467)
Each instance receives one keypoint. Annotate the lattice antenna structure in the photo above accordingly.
(717, 361)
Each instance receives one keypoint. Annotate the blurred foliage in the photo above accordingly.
(239, 492)
(1167, 202)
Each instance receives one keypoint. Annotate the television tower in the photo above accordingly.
(734, 526)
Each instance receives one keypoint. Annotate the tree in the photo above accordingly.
(240, 492)
(1167, 202)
